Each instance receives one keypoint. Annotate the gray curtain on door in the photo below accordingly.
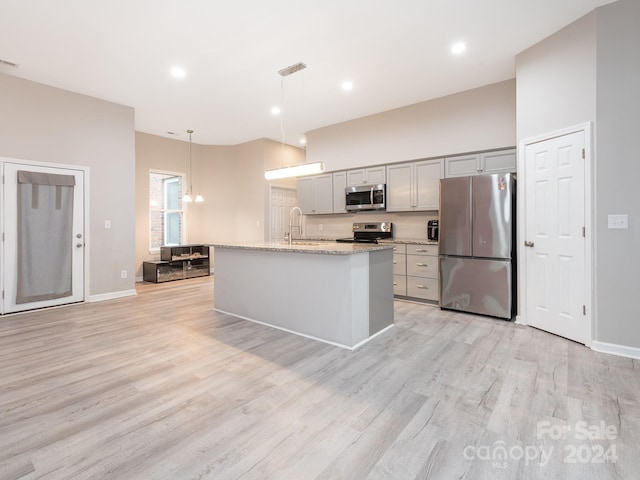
(45, 236)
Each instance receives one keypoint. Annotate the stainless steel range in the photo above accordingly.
(369, 232)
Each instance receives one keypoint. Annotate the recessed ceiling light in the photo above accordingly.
(303, 140)
(178, 72)
(347, 85)
(275, 110)
(458, 47)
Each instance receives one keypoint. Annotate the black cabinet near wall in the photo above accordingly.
(177, 263)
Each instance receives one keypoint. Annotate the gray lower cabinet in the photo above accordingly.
(400, 270)
(415, 271)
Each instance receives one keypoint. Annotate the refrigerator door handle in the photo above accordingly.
(528, 244)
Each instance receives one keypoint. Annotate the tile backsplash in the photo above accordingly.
(409, 225)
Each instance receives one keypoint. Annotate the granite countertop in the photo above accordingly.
(413, 241)
(326, 247)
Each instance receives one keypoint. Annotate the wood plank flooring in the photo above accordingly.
(159, 386)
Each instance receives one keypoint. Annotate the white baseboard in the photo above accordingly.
(335, 344)
(615, 349)
(111, 296)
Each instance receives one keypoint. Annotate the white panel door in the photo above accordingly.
(281, 203)
(555, 221)
(11, 245)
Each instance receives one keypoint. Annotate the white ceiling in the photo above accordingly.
(396, 53)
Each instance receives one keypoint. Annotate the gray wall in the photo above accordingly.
(618, 172)
(46, 124)
(589, 72)
(556, 80)
(480, 119)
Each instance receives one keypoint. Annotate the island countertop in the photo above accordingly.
(309, 246)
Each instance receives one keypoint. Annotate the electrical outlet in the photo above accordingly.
(107, 224)
(123, 274)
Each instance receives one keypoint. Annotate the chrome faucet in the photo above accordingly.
(291, 225)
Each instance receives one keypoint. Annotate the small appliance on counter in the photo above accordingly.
(369, 232)
(432, 230)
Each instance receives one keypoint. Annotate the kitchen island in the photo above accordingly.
(337, 293)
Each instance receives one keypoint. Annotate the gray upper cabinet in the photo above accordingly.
(339, 197)
(501, 161)
(414, 186)
(315, 194)
(366, 176)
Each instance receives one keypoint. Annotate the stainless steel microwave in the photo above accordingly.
(365, 197)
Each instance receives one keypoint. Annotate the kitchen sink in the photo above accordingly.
(297, 243)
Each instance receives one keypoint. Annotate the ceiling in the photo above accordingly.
(395, 53)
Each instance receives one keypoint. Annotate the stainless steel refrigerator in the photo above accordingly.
(477, 244)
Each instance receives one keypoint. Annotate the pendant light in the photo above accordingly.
(189, 195)
(294, 170)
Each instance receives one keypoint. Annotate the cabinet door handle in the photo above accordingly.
(421, 265)
(421, 250)
(423, 287)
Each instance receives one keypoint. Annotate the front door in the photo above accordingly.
(44, 243)
(555, 236)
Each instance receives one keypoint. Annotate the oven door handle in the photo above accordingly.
(371, 193)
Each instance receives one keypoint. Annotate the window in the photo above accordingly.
(166, 215)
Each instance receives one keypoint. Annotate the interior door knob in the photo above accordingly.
(78, 245)
(528, 244)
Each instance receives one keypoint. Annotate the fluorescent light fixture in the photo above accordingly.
(458, 47)
(294, 171)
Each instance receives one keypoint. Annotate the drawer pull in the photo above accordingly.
(421, 265)
(395, 283)
(421, 250)
(423, 287)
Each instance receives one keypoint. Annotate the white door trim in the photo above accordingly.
(87, 224)
(590, 213)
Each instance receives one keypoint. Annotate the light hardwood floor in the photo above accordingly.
(159, 386)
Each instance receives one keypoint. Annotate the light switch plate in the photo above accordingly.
(618, 221)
